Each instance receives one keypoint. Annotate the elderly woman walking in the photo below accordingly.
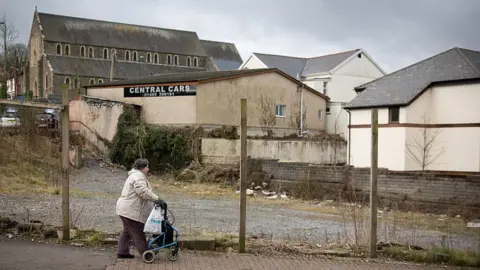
(133, 207)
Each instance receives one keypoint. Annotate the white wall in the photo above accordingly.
(252, 63)
(228, 151)
(452, 148)
(337, 121)
(391, 146)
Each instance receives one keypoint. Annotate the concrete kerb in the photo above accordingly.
(204, 243)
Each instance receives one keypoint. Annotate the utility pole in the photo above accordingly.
(5, 51)
(373, 185)
(65, 118)
(243, 174)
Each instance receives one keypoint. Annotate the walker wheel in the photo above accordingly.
(173, 253)
(148, 256)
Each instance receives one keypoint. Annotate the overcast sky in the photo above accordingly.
(395, 33)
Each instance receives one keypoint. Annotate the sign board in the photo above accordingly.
(160, 91)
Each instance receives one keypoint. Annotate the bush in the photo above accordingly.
(165, 147)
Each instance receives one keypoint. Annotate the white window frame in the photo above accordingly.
(100, 80)
(280, 110)
(129, 55)
(195, 61)
(93, 52)
(85, 53)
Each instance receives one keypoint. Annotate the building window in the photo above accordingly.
(149, 57)
(82, 51)
(76, 83)
(327, 110)
(169, 59)
(393, 114)
(92, 81)
(155, 58)
(189, 61)
(113, 53)
(67, 82)
(105, 53)
(127, 55)
(59, 49)
(46, 81)
(135, 56)
(90, 52)
(67, 49)
(325, 84)
(175, 60)
(280, 110)
(195, 61)
(100, 80)
(359, 55)
(320, 114)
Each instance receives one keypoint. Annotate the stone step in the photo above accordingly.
(185, 242)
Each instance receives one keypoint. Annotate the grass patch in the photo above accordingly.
(447, 256)
(90, 237)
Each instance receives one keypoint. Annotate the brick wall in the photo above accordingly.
(401, 187)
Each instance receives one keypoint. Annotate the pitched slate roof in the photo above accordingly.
(224, 54)
(92, 67)
(402, 87)
(58, 28)
(304, 66)
(203, 76)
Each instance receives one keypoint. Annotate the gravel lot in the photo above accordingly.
(96, 189)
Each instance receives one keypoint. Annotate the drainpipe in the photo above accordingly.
(301, 106)
(349, 136)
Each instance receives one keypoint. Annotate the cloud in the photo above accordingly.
(394, 33)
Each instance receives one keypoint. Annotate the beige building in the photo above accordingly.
(212, 99)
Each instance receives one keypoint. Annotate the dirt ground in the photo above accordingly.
(95, 188)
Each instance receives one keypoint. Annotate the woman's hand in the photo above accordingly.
(161, 203)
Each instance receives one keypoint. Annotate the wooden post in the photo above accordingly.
(65, 118)
(373, 185)
(243, 174)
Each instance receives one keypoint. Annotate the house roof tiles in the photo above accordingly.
(402, 87)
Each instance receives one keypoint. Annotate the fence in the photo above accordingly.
(30, 156)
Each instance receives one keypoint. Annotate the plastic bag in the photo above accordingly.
(154, 221)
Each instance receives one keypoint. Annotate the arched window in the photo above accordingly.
(127, 55)
(100, 80)
(149, 57)
(67, 49)
(82, 51)
(59, 49)
(75, 83)
(155, 58)
(175, 60)
(90, 52)
(189, 61)
(135, 56)
(105, 53)
(46, 81)
(169, 59)
(92, 81)
(67, 82)
(195, 61)
(113, 53)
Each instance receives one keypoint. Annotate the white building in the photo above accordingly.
(429, 116)
(334, 75)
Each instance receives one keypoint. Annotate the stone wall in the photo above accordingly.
(223, 151)
(439, 191)
(96, 120)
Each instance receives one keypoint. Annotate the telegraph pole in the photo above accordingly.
(65, 118)
(373, 185)
(243, 174)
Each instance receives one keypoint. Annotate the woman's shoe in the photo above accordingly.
(125, 256)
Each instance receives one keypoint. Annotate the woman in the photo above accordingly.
(134, 207)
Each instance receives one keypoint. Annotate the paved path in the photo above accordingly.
(215, 261)
(23, 254)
